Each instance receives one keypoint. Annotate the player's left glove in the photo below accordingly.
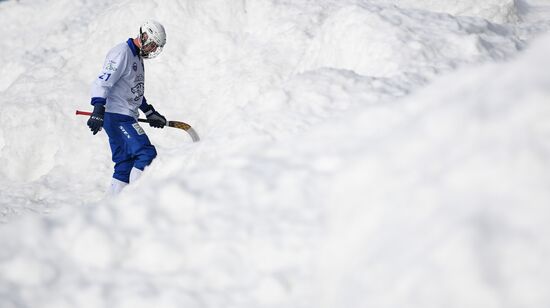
(155, 119)
(95, 122)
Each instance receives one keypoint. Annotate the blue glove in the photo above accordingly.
(95, 122)
(155, 119)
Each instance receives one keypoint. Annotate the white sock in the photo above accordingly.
(116, 187)
(135, 174)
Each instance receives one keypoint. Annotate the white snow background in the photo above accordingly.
(354, 153)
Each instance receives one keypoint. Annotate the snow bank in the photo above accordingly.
(386, 41)
(461, 167)
(444, 219)
(499, 11)
(326, 176)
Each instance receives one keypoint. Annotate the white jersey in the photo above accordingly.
(122, 80)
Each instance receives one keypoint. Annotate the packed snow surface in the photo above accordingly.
(353, 153)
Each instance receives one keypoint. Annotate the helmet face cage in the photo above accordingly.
(147, 42)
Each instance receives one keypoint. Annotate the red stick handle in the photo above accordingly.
(78, 112)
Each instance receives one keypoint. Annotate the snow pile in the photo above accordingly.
(337, 168)
(462, 168)
(499, 11)
(385, 41)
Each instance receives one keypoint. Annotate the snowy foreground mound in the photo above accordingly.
(353, 154)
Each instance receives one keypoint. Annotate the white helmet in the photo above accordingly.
(151, 35)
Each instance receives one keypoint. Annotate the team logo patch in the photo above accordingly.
(111, 66)
(134, 66)
(138, 129)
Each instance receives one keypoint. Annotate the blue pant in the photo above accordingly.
(129, 144)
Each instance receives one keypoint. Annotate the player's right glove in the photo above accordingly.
(95, 122)
(156, 119)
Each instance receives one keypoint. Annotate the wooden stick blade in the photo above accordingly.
(186, 127)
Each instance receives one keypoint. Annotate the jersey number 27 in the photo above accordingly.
(105, 76)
